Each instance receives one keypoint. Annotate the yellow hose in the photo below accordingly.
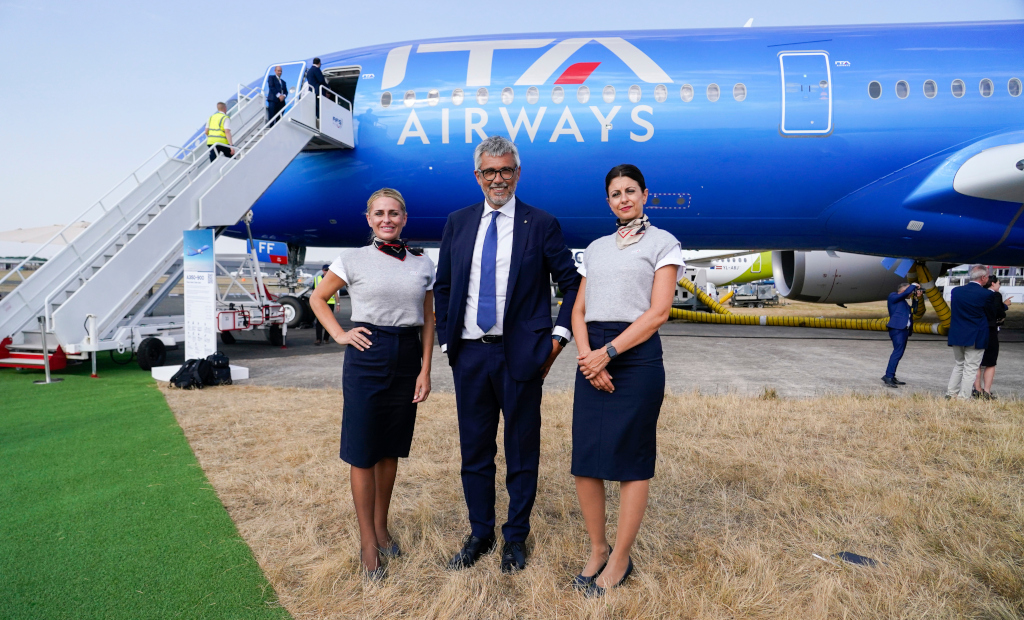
(726, 297)
(703, 297)
(724, 317)
(935, 297)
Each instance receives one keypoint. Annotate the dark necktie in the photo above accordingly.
(487, 309)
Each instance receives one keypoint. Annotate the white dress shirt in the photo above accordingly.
(505, 225)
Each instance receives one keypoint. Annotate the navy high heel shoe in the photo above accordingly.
(579, 582)
(594, 590)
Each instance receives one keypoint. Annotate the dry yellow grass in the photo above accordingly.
(746, 491)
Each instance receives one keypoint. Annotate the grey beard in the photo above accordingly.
(510, 196)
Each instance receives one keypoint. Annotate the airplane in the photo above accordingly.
(893, 141)
(196, 252)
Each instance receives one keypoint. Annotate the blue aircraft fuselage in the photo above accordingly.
(844, 138)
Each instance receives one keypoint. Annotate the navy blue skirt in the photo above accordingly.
(614, 435)
(379, 384)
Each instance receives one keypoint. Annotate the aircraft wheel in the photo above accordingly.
(152, 352)
(294, 311)
(227, 338)
(274, 335)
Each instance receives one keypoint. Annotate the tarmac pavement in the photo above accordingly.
(714, 359)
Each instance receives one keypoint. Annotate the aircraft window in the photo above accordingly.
(608, 93)
(985, 87)
(660, 93)
(714, 92)
(385, 99)
(1014, 87)
(739, 92)
(433, 96)
(634, 93)
(557, 94)
(481, 96)
(874, 90)
(583, 94)
(686, 93)
(902, 89)
(507, 95)
(930, 89)
(410, 98)
(958, 88)
(532, 95)
(458, 96)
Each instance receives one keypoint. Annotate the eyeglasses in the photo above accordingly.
(490, 173)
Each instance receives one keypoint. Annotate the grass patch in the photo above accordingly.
(104, 511)
(747, 489)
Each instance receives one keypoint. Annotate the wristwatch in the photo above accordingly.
(561, 340)
(610, 350)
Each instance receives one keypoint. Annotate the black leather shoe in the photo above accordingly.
(594, 590)
(890, 382)
(582, 582)
(898, 382)
(513, 557)
(472, 549)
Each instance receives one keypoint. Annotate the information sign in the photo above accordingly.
(200, 294)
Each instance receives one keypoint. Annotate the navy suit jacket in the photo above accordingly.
(899, 311)
(315, 79)
(277, 87)
(539, 254)
(968, 325)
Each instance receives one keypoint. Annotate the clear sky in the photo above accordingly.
(94, 88)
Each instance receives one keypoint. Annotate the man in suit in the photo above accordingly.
(968, 331)
(315, 79)
(278, 93)
(492, 303)
(901, 321)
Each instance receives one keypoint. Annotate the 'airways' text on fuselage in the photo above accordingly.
(474, 122)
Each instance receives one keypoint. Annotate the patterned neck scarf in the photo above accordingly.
(395, 249)
(631, 232)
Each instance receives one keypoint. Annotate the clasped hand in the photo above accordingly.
(357, 337)
(592, 365)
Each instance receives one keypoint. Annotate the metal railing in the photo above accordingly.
(244, 94)
(242, 150)
(196, 162)
(335, 97)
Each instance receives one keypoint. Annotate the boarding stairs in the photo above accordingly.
(97, 293)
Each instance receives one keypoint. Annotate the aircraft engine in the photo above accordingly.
(841, 278)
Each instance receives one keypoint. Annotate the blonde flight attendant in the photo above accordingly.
(629, 278)
(386, 371)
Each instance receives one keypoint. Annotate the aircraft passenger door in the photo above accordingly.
(806, 93)
(293, 74)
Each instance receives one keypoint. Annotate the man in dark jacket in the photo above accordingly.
(901, 320)
(968, 331)
(278, 93)
(315, 79)
(492, 303)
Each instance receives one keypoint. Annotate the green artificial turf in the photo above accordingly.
(104, 511)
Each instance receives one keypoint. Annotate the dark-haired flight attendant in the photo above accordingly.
(386, 371)
(629, 279)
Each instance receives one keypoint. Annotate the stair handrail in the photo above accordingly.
(86, 264)
(99, 203)
(243, 149)
(336, 97)
(242, 92)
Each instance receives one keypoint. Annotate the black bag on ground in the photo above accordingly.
(220, 369)
(193, 375)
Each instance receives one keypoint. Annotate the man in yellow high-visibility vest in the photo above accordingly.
(218, 132)
(320, 331)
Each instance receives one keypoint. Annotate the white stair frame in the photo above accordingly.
(216, 194)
